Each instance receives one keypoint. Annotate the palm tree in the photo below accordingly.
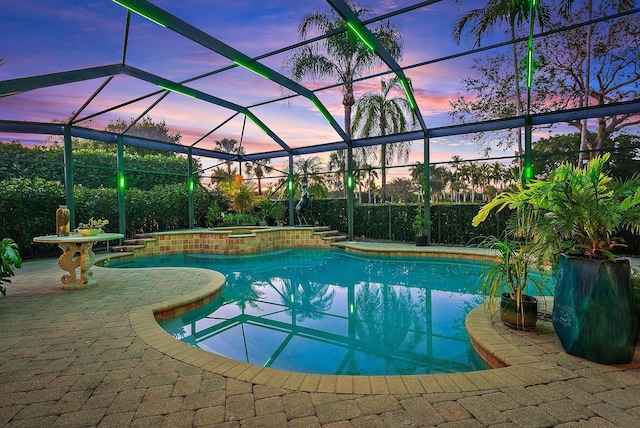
(309, 169)
(376, 115)
(258, 170)
(372, 175)
(482, 20)
(229, 145)
(342, 57)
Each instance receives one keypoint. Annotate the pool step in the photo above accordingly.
(329, 235)
(130, 245)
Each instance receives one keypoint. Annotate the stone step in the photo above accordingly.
(326, 232)
(335, 238)
(126, 248)
(139, 241)
(146, 236)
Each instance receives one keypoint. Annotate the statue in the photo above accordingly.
(305, 199)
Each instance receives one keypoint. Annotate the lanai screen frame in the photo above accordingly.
(162, 17)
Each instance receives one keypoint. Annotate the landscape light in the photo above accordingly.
(355, 30)
(251, 69)
(127, 5)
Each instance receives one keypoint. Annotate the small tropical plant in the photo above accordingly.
(239, 220)
(214, 214)
(98, 223)
(9, 259)
(419, 225)
(514, 271)
(577, 210)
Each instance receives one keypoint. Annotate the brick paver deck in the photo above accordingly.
(96, 357)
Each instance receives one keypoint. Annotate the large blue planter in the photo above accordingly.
(594, 311)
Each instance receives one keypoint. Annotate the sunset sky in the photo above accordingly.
(46, 36)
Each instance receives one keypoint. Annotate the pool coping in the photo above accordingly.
(513, 367)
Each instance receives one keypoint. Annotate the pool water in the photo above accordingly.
(332, 312)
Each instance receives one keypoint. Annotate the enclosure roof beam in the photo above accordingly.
(190, 92)
(622, 108)
(24, 84)
(164, 18)
(350, 17)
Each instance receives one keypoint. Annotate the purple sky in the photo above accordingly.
(45, 36)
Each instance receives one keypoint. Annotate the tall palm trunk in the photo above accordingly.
(348, 100)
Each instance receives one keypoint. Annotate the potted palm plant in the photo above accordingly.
(578, 211)
(420, 227)
(508, 278)
(9, 258)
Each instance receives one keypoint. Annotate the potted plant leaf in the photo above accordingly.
(214, 214)
(278, 212)
(92, 227)
(9, 259)
(507, 280)
(577, 214)
(420, 227)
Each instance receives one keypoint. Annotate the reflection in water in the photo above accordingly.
(326, 311)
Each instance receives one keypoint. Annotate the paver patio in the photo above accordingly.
(95, 357)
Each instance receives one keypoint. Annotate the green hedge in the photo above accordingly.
(451, 223)
(92, 168)
(27, 209)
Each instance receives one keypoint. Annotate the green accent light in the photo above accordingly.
(192, 185)
(356, 31)
(530, 67)
(351, 308)
(251, 69)
(407, 90)
(350, 181)
(534, 3)
(267, 363)
(127, 5)
(293, 298)
(322, 109)
(178, 91)
(290, 185)
(121, 181)
(258, 122)
(528, 172)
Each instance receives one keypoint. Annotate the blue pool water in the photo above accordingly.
(332, 312)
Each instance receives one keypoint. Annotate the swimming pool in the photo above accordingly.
(332, 312)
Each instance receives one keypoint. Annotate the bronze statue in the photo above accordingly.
(305, 200)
